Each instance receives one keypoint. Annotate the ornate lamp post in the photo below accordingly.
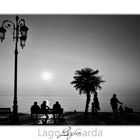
(19, 33)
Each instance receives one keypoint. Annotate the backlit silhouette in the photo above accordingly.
(87, 82)
(35, 109)
(44, 110)
(57, 109)
(96, 103)
(114, 104)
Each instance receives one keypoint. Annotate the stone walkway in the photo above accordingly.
(50, 121)
(103, 118)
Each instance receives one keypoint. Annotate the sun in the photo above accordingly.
(46, 75)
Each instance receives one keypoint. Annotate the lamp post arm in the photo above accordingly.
(7, 24)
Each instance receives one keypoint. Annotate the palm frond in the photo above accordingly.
(87, 79)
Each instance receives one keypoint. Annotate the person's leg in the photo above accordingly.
(46, 118)
(113, 111)
(54, 118)
(59, 113)
(116, 110)
(95, 110)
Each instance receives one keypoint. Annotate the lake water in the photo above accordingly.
(68, 103)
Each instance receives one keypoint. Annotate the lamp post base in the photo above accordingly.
(15, 114)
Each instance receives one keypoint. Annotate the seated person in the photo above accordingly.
(57, 109)
(121, 110)
(35, 109)
(44, 109)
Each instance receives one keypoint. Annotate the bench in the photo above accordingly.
(128, 110)
(5, 111)
(44, 120)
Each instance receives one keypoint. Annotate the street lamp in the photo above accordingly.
(19, 33)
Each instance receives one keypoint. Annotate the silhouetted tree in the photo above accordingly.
(87, 82)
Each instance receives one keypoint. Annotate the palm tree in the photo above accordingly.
(87, 82)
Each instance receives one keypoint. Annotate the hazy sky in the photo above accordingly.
(61, 44)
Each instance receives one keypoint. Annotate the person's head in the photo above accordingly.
(57, 102)
(44, 102)
(114, 95)
(35, 103)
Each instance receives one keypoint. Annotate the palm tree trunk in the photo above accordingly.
(87, 104)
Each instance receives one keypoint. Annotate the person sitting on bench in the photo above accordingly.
(57, 109)
(44, 109)
(35, 109)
